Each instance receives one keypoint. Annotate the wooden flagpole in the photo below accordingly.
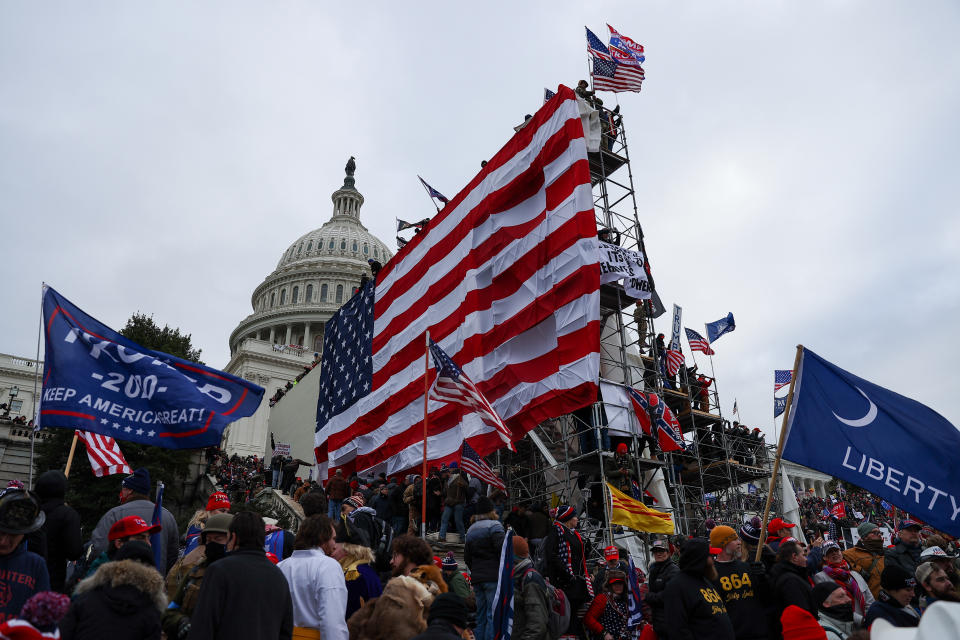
(423, 473)
(776, 460)
(73, 447)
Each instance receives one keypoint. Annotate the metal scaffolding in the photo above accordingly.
(569, 459)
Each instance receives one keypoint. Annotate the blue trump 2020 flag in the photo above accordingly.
(719, 327)
(890, 445)
(97, 380)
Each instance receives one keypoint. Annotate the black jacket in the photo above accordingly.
(62, 526)
(123, 599)
(660, 575)
(481, 551)
(742, 590)
(791, 586)
(574, 587)
(905, 556)
(890, 610)
(694, 609)
(243, 596)
(438, 630)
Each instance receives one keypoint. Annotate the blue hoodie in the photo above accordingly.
(22, 574)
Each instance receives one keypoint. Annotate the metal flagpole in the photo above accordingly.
(716, 392)
(423, 477)
(36, 376)
(776, 460)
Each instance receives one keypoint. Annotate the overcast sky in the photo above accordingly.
(795, 163)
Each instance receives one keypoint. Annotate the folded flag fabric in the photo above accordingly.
(674, 361)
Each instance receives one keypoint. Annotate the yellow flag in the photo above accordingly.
(635, 515)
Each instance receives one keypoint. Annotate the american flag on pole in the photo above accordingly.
(674, 361)
(475, 466)
(595, 46)
(104, 453)
(781, 378)
(698, 343)
(453, 385)
(609, 75)
(506, 278)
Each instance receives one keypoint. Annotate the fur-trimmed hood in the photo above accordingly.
(122, 579)
(398, 614)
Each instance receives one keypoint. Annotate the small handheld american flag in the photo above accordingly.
(674, 361)
(781, 378)
(473, 464)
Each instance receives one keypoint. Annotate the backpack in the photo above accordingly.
(380, 534)
(558, 607)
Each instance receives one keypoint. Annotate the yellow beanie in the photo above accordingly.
(721, 536)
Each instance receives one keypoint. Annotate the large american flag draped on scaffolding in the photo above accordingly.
(506, 278)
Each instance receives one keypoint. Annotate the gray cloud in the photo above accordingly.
(794, 164)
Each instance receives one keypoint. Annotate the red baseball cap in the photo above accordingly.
(779, 524)
(218, 500)
(611, 552)
(130, 526)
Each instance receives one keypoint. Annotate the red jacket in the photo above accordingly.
(337, 488)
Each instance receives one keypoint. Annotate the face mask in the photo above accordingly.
(840, 612)
(215, 551)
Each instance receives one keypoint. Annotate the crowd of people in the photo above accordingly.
(357, 568)
(240, 477)
(282, 391)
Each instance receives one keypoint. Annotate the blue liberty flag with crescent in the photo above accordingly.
(96, 380)
(719, 327)
(892, 446)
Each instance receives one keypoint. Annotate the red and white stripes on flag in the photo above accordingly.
(674, 361)
(104, 453)
(506, 279)
(453, 385)
(475, 466)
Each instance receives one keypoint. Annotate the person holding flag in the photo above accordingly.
(481, 552)
(135, 501)
(739, 584)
